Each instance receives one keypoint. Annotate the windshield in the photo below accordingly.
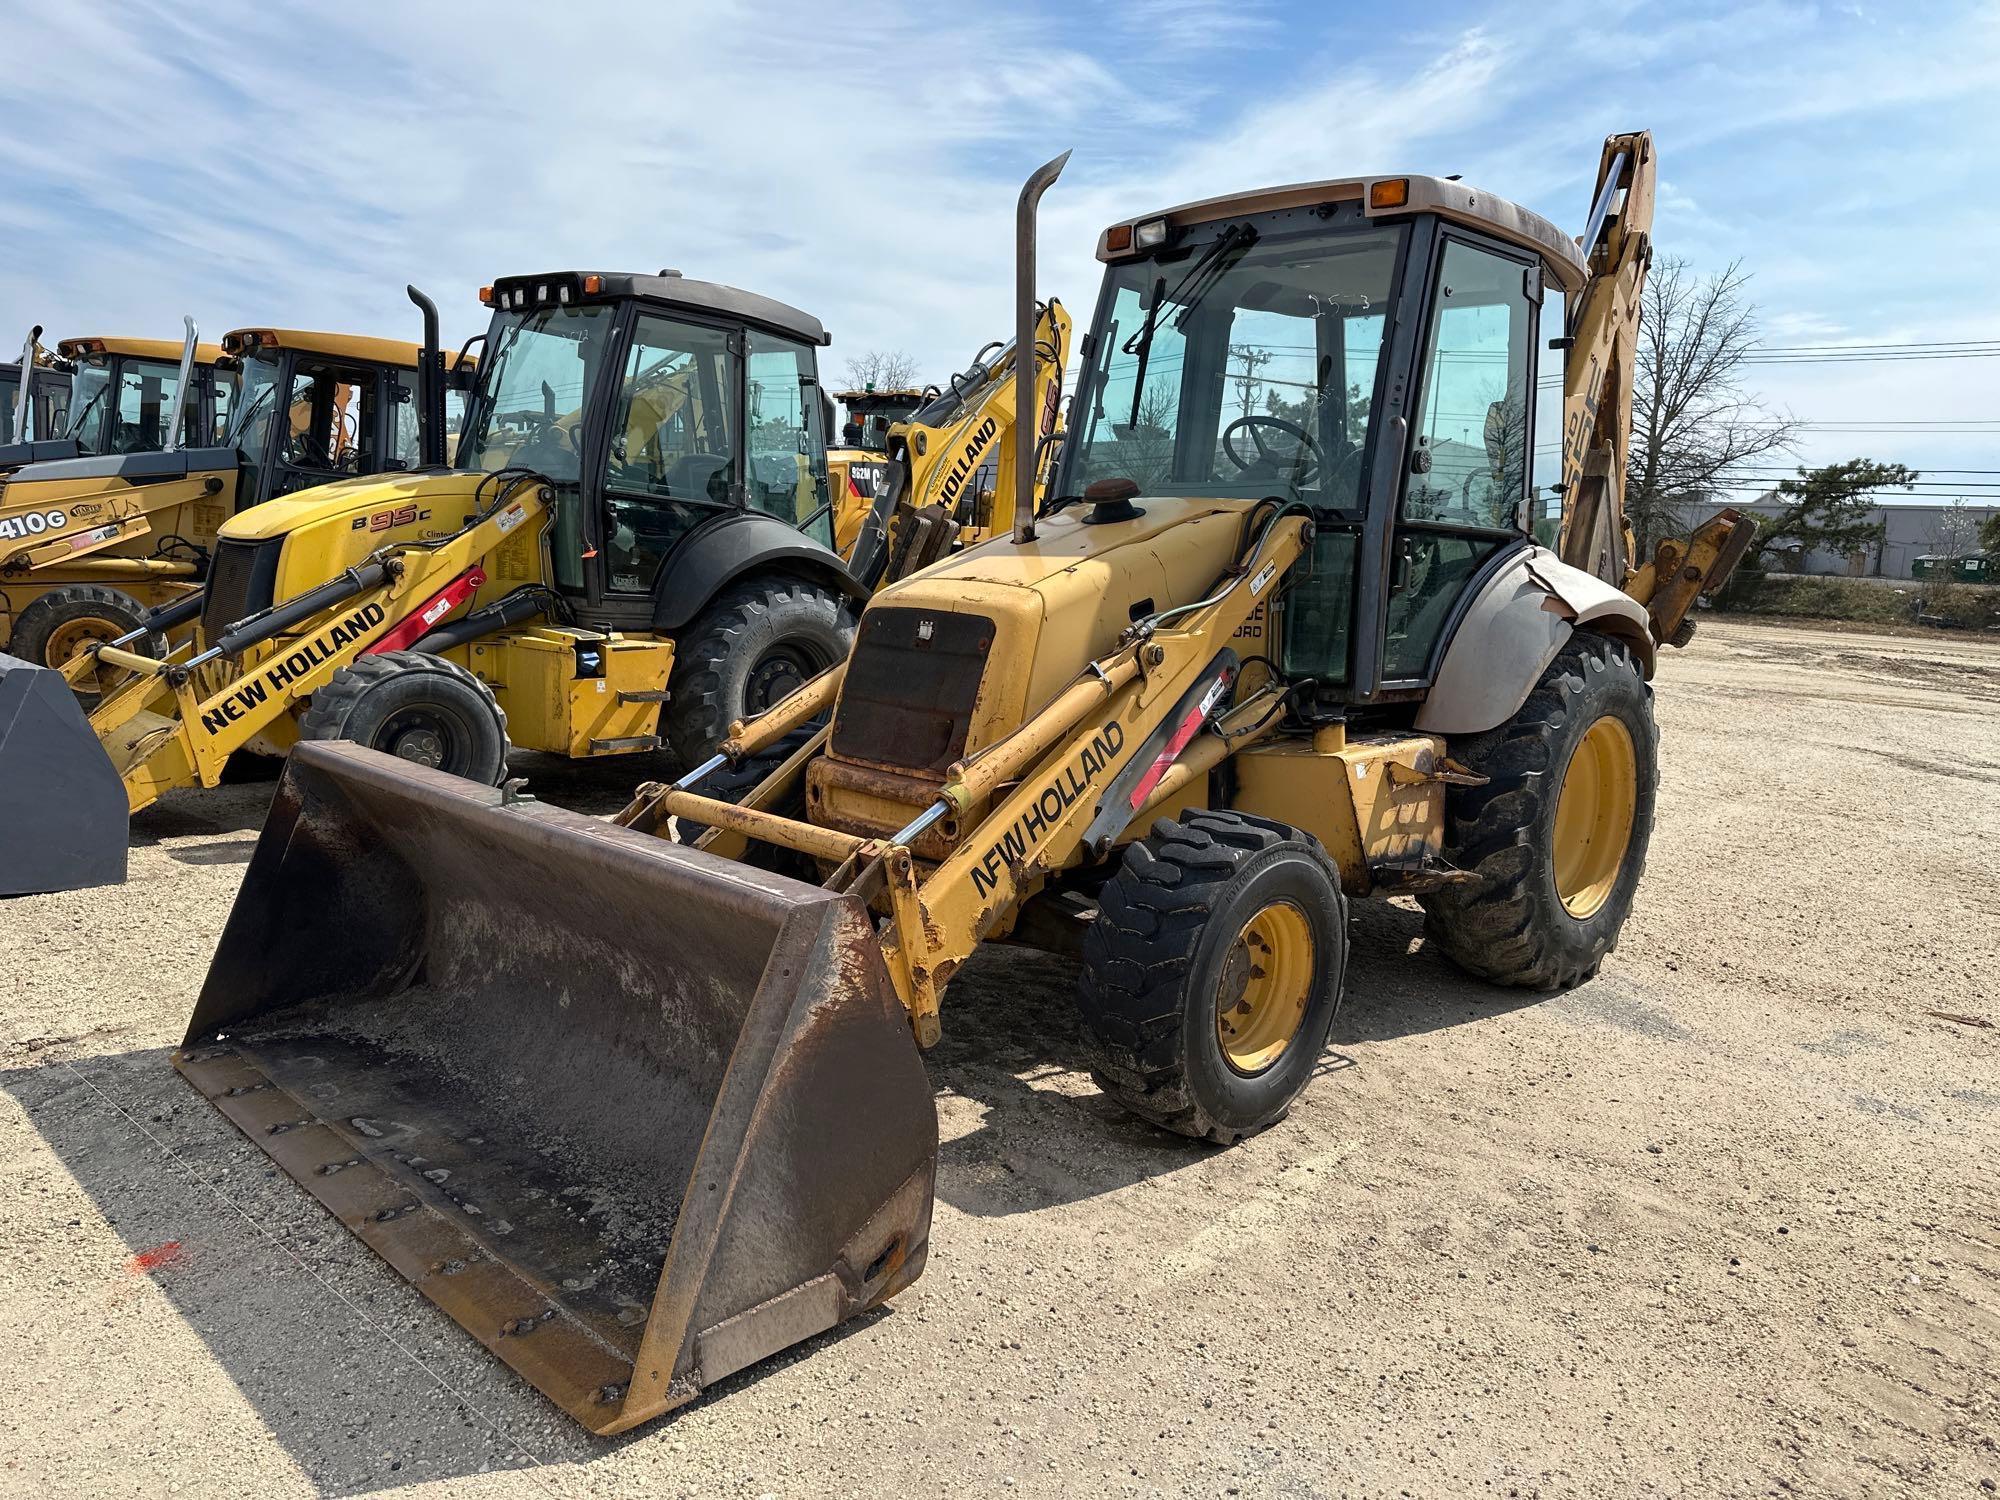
(1245, 367)
(257, 381)
(534, 386)
(122, 405)
(87, 403)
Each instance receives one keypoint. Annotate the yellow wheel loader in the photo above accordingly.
(638, 1114)
(629, 550)
(128, 522)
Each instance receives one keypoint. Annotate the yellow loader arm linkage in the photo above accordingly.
(175, 724)
(1597, 411)
(1124, 737)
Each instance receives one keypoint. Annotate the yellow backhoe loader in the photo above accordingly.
(638, 1114)
(128, 522)
(598, 573)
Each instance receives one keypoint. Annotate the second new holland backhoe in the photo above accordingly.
(638, 1114)
(597, 573)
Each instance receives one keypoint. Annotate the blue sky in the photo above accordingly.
(258, 163)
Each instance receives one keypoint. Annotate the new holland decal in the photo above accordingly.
(967, 463)
(1063, 792)
(253, 692)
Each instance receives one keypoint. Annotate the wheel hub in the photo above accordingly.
(1265, 984)
(1594, 816)
(421, 744)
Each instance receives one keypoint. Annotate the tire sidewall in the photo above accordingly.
(477, 749)
(40, 620)
(1612, 689)
(1233, 1100)
(792, 612)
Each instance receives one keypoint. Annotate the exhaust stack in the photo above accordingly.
(1027, 432)
(171, 439)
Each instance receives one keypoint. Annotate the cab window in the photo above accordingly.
(787, 469)
(1469, 464)
(671, 459)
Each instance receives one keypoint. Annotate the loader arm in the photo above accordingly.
(1603, 336)
(1072, 777)
(176, 724)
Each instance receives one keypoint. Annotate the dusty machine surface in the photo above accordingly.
(625, 550)
(1265, 650)
(161, 452)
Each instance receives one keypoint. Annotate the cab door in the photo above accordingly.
(1464, 502)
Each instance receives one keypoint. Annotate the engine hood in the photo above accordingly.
(347, 497)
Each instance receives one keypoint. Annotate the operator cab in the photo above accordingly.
(1366, 348)
(661, 409)
(122, 394)
(319, 407)
(48, 404)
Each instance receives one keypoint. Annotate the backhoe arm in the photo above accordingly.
(938, 451)
(1598, 387)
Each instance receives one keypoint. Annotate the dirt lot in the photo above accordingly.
(1724, 1221)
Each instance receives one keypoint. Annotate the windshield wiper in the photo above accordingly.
(1188, 291)
(240, 423)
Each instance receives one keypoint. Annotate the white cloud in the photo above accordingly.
(258, 163)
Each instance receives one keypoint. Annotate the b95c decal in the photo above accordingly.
(384, 520)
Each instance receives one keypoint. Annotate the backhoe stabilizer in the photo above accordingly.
(629, 1158)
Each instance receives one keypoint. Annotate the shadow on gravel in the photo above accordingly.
(1014, 1046)
(364, 1384)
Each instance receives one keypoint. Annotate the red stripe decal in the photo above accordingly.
(415, 626)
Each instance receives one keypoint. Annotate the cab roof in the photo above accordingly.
(668, 288)
(166, 349)
(1458, 202)
(395, 352)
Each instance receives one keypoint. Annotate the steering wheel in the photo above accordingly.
(1268, 458)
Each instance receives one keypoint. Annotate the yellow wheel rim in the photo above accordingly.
(73, 636)
(1594, 814)
(1267, 979)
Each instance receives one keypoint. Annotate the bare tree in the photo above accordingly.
(1694, 427)
(1957, 531)
(880, 369)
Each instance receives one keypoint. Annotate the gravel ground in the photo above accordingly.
(1723, 1221)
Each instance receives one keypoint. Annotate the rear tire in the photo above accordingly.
(420, 708)
(1212, 973)
(53, 628)
(751, 647)
(1552, 891)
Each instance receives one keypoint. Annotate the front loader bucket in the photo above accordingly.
(636, 1117)
(62, 808)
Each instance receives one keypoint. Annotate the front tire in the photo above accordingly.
(419, 708)
(757, 642)
(1557, 837)
(70, 618)
(1212, 973)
